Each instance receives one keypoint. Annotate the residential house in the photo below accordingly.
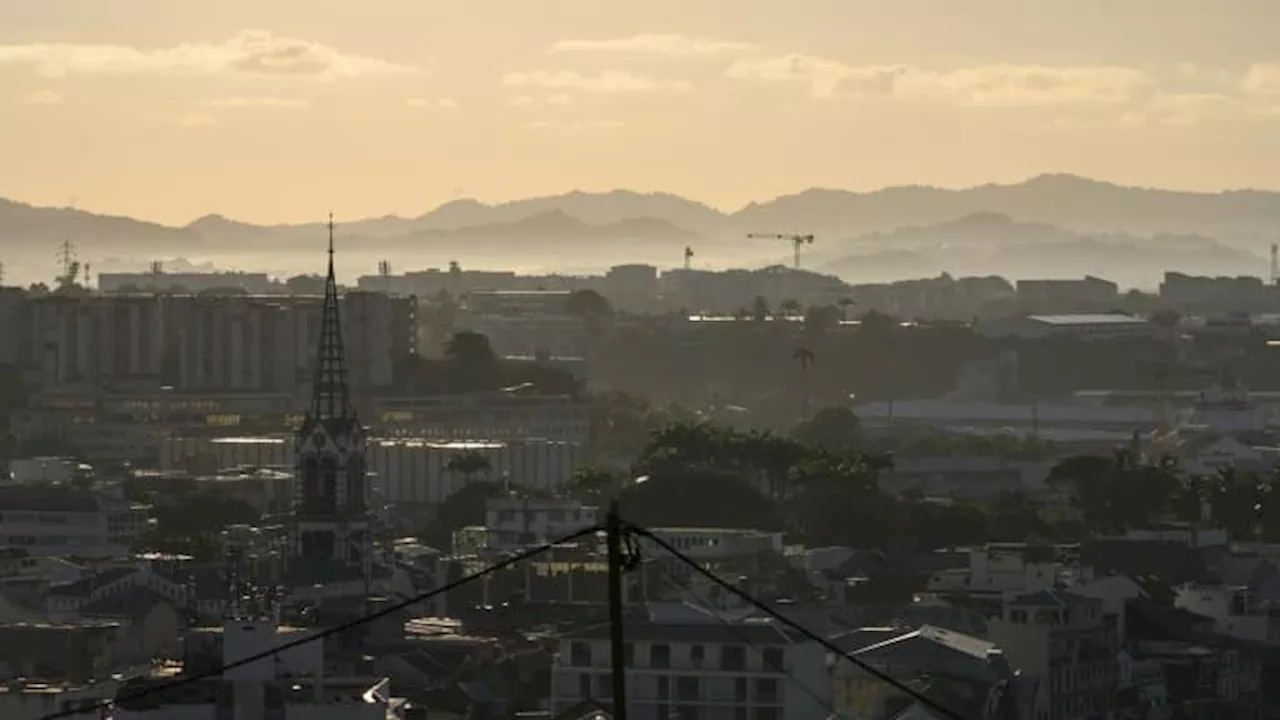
(1061, 639)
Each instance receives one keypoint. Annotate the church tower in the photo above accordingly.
(332, 532)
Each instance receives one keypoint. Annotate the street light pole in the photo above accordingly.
(617, 641)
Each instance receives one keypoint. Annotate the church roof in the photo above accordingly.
(330, 395)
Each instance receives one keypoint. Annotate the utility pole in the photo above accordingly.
(617, 640)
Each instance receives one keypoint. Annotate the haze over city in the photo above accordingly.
(604, 360)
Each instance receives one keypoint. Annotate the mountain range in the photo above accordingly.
(654, 227)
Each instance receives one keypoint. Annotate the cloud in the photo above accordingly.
(41, 97)
(444, 103)
(197, 120)
(607, 81)
(653, 44)
(607, 124)
(254, 102)
(986, 85)
(250, 52)
(1262, 79)
(554, 99)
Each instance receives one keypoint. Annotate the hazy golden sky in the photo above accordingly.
(277, 110)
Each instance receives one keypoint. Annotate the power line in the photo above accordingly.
(742, 637)
(830, 646)
(351, 624)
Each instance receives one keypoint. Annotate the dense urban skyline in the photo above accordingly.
(399, 108)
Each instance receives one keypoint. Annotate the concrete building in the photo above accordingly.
(199, 343)
(707, 670)
(512, 523)
(1066, 296)
(292, 685)
(497, 416)
(1062, 640)
(68, 522)
(1083, 326)
(1235, 611)
(1001, 569)
(407, 471)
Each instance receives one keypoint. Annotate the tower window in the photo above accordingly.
(356, 484)
(329, 483)
(310, 485)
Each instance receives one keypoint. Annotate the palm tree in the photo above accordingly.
(805, 357)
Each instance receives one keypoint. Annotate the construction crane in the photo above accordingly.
(796, 240)
(688, 256)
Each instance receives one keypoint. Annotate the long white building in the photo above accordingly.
(407, 471)
(199, 343)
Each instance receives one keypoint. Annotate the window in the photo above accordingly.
(660, 656)
(580, 654)
(664, 687)
(766, 691)
(740, 690)
(584, 685)
(733, 658)
(772, 659)
(696, 655)
(688, 688)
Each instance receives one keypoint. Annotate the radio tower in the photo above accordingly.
(70, 265)
(688, 256)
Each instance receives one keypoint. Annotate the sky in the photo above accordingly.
(280, 111)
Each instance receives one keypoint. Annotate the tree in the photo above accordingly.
(805, 357)
(835, 429)
(760, 309)
(469, 465)
(1119, 492)
(470, 349)
(464, 508)
(790, 307)
(821, 319)
(592, 484)
(589, 305)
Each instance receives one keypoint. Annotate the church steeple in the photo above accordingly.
(330, 395)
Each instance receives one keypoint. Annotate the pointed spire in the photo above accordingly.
(331, 398)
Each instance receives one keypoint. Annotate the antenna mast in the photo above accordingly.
(688, 256)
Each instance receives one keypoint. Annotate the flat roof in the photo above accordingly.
(1089, 319)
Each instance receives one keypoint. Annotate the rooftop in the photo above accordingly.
(1089, 319)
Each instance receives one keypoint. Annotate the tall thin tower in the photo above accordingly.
(332, 538)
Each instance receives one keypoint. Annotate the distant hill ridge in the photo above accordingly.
(1069, 202)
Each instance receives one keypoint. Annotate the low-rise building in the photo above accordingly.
(1063, 640)
(712, 670)
(59, 520)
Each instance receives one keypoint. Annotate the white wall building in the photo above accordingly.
(485, 416)
(408, 471)
(1000, 569)
(290, 685)
(707, 670)
(66, 522)
(516, 522)
(34, 701)
(1235, 612)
